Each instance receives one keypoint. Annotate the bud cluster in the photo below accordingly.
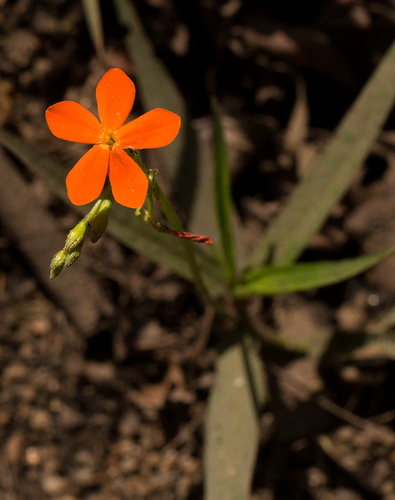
(96, 221)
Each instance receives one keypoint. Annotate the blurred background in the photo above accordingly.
(105, 371)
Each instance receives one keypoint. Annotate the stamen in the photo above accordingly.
(108, 140)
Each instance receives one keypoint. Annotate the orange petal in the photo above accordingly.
(70, 121)
(115, 97)
(128, 182)
(154, 129)
(86, 180)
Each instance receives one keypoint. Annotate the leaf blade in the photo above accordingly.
(302, 276)
(333, 172)
(232, 443)
(222, 193)
(93, 19)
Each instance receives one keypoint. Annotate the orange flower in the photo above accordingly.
(70, 121)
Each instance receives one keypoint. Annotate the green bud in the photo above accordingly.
(72, 256)
(151, 174)
(76, 236)
(57, 263)
(99, 222)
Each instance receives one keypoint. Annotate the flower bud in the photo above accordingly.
(76, 237)
(72, 256)
(57, 263)
(99, 222)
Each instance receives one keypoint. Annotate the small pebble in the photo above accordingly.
(40, 420)
(20, 47)
(100, 372)
(54, 484)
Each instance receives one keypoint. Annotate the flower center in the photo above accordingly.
(108, 140)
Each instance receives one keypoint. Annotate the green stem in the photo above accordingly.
(150, 203)
(175, 223)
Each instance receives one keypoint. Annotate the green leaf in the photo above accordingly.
(157, 88)
(195, 185)
(333, 172)
(94, 22)
(222, 191)
(272, 280)
(160, 248)
(232, 425)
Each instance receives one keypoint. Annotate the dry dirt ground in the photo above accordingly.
(105, 372)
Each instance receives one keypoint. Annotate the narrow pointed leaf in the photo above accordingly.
(222, 193)
(272, 280)
(232, 425)
(333, 172)
(94, 22)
